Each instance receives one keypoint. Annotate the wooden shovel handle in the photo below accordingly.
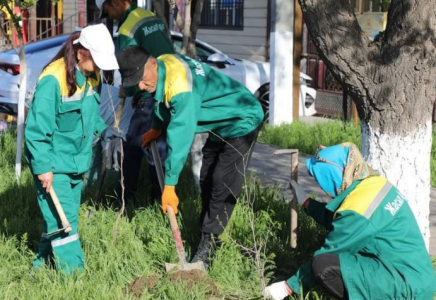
(170, 212)
(57, 204)
(176, 234)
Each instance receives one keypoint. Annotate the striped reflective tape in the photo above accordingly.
(75, 97)
(65, 241)
(378, 199)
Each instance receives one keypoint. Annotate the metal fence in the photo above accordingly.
(35, 29)
(223, 14)
(5, 34)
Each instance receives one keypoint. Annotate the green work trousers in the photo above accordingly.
(63, 248)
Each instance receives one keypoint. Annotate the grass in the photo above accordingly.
(144, 243)
(306, 138)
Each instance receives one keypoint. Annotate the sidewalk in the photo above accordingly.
(275, 170)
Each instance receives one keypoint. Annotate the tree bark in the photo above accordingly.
(192, 52)
(186, 27)
(405, 161)
(392, 83)
(161, 15)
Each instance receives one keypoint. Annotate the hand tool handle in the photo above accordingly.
(294, 224)
(119, 112)
(176, 234)
(157, 164)
(294, 215)
(170, 212)
(64, 221)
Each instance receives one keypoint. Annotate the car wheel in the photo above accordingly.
(262, 94)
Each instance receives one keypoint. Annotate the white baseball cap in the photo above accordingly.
(99, 4)
(97, 39)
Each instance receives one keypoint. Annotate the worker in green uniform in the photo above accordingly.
(374, 248)
(62, 120)
(137, 26)
(189, 98)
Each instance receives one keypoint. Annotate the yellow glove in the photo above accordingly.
(170, 198)
(149, 136)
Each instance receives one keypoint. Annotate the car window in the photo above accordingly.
(202, 52)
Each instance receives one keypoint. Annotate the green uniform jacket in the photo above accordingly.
(381, 250)
(192, 98)
(140, 27)
(60, 128)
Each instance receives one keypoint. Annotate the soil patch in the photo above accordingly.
(140, 284)
(137, 287)
(194, 277)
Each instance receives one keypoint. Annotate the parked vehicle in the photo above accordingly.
(254, 75)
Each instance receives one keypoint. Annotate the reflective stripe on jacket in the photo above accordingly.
(60, 128)
(380, 247)
(192, 97)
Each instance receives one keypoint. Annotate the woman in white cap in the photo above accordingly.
(63, 118)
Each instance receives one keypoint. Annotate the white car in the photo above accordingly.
(254, 75)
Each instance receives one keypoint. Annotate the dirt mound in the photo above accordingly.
(194, 277)
(140, 284)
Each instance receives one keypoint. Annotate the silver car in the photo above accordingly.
(254, 75)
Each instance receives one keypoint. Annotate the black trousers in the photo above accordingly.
(221, 179)
(134, 153)
(327, 271)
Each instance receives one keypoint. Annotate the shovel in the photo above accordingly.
(183, 265)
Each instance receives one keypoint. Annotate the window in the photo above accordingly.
(223, 14)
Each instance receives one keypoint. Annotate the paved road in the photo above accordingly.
(275, 170)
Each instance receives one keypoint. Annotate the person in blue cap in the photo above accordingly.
(374, 249)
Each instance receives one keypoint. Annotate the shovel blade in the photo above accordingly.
(185, 267)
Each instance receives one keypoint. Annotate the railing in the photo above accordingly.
(60, 27)
(5, 34)
(35, 29)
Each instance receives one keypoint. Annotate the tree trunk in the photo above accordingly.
(161, 15)
(192, 51)
(392, 83)
(186, 27)
(21, 101)
(21, 93)
(405, 161)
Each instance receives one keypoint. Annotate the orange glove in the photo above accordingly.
(149, 136)
(170, 198)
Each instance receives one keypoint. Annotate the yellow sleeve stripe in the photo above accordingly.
(178, 77)
(135, 20)
(367, 196)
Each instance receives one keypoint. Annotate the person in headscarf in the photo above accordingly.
(374, 249)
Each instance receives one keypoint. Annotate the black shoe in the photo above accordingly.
(205, 249)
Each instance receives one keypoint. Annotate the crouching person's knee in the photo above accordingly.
(327, 271)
